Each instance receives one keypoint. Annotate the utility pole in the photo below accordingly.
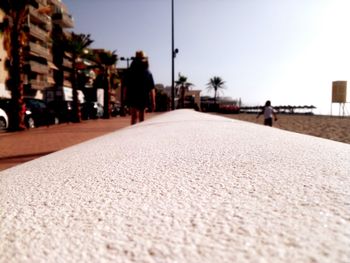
(174, 51)
(172, 57)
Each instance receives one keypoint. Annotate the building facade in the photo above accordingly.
(3, 56)
(39, 70)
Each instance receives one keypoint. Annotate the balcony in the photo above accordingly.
(56, 3)
(38, 84)
(67, 83)
(37, 32)
(38, 17)
(63, 19)
(38, 68)
(39, 50)
(51, 80)
(67, 63)
(67, 74)
(42, 2)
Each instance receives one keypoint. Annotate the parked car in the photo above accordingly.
(116, 109)
(36, 112)
(4, 121)
(91, 110)
(6, 106)
(62, 110)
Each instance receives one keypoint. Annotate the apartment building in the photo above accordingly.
(38, 59)
(39, 70)
(61, 21)
(3, 73)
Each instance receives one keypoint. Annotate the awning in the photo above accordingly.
(67, 54)
(51, 65)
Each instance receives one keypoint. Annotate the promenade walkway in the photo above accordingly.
(181, 187)
(20, 147)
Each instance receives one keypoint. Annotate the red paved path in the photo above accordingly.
(20, 147)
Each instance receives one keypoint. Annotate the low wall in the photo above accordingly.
(181, 187)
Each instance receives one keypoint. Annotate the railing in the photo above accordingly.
(38, 84)
(68, 19)
(39, 50)
(67, 83)
(67, 74)
(38, 68)
(55, 2)
(42, 2)
(50, 79)
(38, 32)
(58, 5)
(40, 17)
(67, 63)
(64, 19)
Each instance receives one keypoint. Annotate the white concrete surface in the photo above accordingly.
(182, 187)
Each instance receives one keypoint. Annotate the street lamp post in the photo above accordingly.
(173, 54)
(127, 60)
(174, 51)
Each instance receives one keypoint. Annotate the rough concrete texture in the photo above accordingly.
(181, 187)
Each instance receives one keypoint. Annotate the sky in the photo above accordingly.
(286, 51)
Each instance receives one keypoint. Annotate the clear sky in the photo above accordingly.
(288, 51)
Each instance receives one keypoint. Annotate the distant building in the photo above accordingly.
(190, 96)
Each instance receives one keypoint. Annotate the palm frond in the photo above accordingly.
(77, 43)
(106, 58)
(216, 83)
(182, 81)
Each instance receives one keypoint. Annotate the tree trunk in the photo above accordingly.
(215, 97)
(15, 83)
(75, 106)
(215, 103)
(106, 110)
(182, 96)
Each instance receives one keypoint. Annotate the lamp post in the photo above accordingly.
(173, 55)
(127, 60)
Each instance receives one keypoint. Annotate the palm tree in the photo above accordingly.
(76, 45)
(14, 30)
(105, 60)
(216, 84)
(183, 85)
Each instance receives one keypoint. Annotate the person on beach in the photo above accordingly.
(269, 112)
(140, 88)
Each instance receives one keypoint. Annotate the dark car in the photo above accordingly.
(62, 110)
(116, 109)
(7, 106)
(91, 110)
(36, 112)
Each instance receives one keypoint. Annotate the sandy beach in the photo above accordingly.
(328, 127)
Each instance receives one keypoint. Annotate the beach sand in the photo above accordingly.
(328, 127)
